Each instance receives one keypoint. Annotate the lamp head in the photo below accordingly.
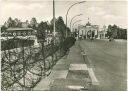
(82, 2)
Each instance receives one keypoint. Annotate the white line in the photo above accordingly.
(90, 62)
(75, 87)
(93, 77)
(78, 67)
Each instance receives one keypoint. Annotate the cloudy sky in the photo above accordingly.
(99, 12)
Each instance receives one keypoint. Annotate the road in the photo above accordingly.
(110, 63)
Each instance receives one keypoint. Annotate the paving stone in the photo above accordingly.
(78, 67)
(65, 84)
(61, 67)
(93, 77)
(59, 74)
(78, 74)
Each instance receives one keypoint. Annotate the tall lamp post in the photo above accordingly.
(54, 29)
(68, 12)
(76, 22)
(73, 26)
(72, 20)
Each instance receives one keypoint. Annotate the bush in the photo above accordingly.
(15, 43)
(68, 42)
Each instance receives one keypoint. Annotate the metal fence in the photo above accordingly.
(23, 67)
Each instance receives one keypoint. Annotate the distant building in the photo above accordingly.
(102, 33)
(88, 30)
(19, 32)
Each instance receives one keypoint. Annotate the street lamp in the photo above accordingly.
(76, 22)
(54, 31)
(68, 11)
(73, 18)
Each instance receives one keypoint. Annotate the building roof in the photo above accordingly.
(19, 29)
(88, 24)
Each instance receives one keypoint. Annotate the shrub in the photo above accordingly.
(15, 43)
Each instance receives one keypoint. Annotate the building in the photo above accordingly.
(102, 33)
(88, 31)
(19, 32)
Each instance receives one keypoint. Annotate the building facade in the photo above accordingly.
(19, 32)
(102, 34)
(88, 31)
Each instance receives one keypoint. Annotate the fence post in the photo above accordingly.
(43, 54)
(24, 63)
(52, 45)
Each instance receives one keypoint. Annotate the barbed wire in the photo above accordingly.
(23, 67)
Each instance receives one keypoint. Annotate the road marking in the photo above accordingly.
(90, 62)
(93, 77)
(78, 67)
(59, 74)
(76, 87)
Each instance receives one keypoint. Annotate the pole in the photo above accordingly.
(68, 11)
(54, 29)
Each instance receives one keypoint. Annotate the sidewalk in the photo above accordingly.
(69, 74)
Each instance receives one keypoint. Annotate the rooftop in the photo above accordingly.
(88, 24)
(19, 29)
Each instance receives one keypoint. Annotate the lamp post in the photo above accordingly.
(76, 22)
(73, 18)
(77, 32)
(68, 12)
(54, 29)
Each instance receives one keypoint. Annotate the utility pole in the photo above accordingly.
(54, 21)
(54, 30)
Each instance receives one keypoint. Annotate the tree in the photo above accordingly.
(10, 23)
(17, 22)
(41, 30)
(60, 27)
(116, 32)
(3, 29)
(109, 33)
(51, 25)
(112, 31)
(68, 31)
(33, 23)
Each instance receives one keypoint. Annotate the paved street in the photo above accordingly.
(109, 60)
(69, 74)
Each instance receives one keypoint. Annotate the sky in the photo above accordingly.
(99, 12)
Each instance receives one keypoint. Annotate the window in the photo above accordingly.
(14, 33)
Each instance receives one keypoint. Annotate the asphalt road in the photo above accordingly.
(110, 63)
